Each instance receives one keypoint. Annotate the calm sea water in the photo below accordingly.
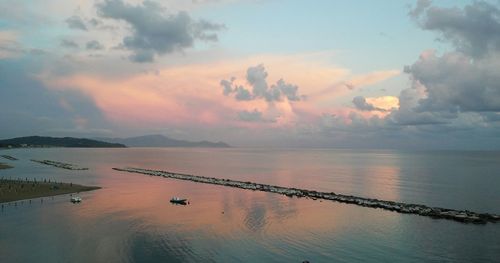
(131, 219)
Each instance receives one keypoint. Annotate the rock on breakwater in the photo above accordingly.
(61, 165)
(464, 216)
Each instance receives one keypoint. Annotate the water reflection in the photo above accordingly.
(132, 220)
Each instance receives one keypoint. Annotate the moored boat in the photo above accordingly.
(178, 200)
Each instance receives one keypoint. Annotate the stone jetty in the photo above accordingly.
(464, 216)
(8, 157)
(61, 165)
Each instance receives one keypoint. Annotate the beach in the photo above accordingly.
(14, 190)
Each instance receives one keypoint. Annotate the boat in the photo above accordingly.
(178, 200)
(76, 199)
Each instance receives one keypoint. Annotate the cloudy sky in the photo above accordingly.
(281, 73)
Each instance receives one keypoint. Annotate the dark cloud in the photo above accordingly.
(242, 94)
(155, 33)
(227, 86)
(419, 8)
(253, 116)
(76, 22)
(288, 90)
(94, 45)
(361, 104)
(407, 113)
(250, 116)
(68, 44)
(99, 24)
(461, 84)
(257, 78)
(204, 30)
(29, 107)
(456, 83)
(474, 30)
(454, 98)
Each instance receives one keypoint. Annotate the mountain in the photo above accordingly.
(162, 141)
(40, 141)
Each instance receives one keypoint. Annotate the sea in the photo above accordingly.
(131, 219)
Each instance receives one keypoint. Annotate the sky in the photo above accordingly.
(413, 74)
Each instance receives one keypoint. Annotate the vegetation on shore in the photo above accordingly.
(41, 141)
(20, 189)
(4, 166)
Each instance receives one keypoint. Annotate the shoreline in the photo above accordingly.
(463, 216)
(5, 166)
(17, 189)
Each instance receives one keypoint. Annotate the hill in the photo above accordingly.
(162, 141)
(41, 141)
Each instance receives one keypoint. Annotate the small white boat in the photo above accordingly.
(178, 200)
(76, 199)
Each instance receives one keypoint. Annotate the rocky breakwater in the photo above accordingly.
(464, 216)
(61, 165)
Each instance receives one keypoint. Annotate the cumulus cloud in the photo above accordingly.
(463, 82)
(456, 83)
(454, 97)
(242, 94)
(257, 79)
(76, 22)
(155, 33)
(474, 30)
(94, 45)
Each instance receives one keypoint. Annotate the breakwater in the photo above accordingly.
(464, 216)
(8, 157)
(61, 165)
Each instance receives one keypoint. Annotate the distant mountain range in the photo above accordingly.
(41, 141)
(161, 141)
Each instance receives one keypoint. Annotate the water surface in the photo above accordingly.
(131, 220)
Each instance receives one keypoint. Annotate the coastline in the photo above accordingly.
(16, 190)
(5, 166)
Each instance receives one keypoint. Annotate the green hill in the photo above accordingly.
(41, 141)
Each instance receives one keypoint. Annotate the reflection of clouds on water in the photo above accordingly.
(283, 208)
(255, 218)
(166, 247)
(262, 209)
(131, 219)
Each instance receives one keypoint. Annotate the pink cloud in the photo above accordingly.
(191, 95)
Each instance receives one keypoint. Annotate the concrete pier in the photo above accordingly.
(464, 216)
(61, 165)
